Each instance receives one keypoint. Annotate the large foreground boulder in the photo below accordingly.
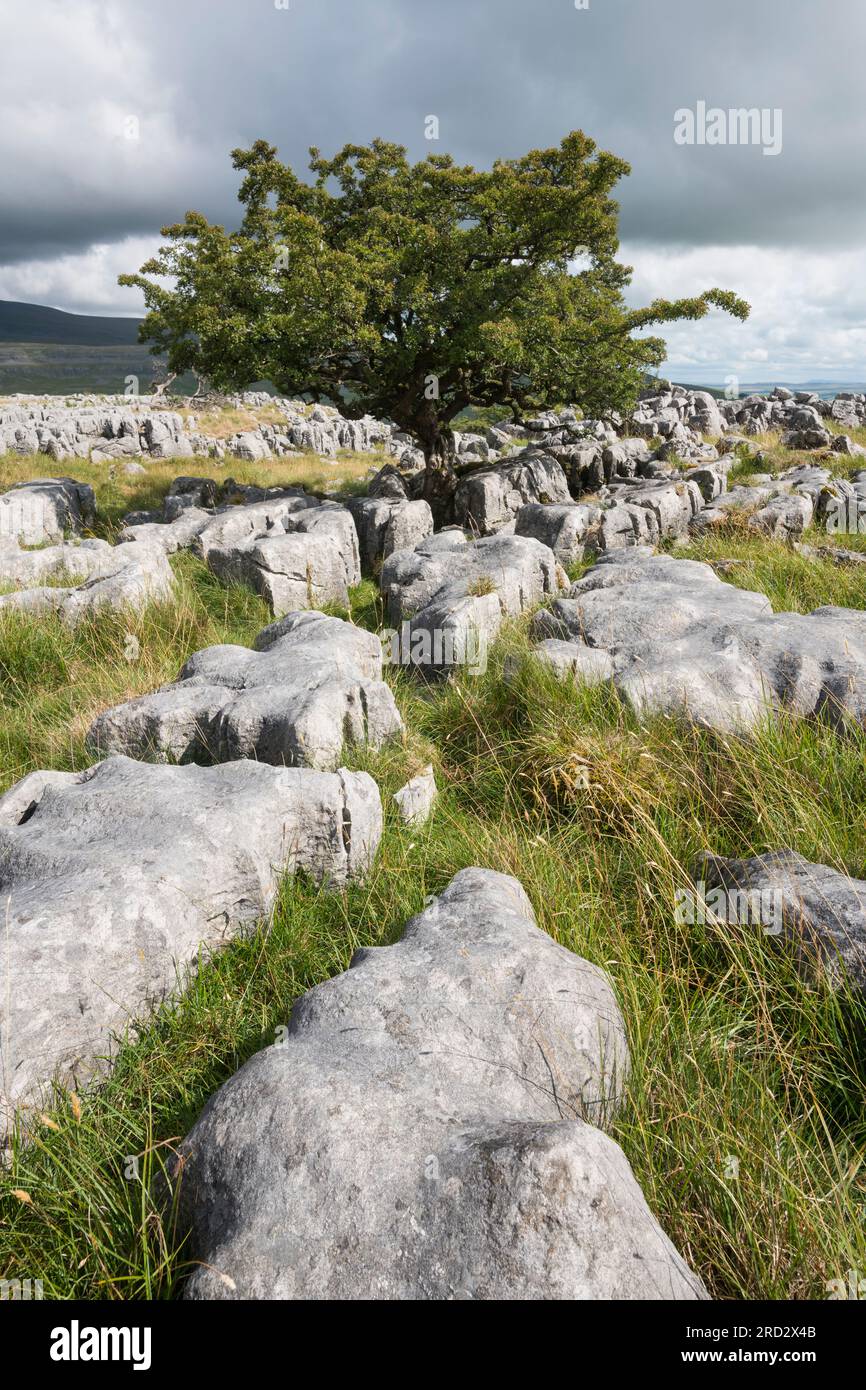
(312, 685)
(45, 510)
(682, 640)
(115, 879)
(426, 1130)
(820, 912)
(449, 596)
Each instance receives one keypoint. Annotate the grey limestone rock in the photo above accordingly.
(453, 594)
(422, 1131)
(115, 879)
(821, 912)
(45, 510)
(312, 686)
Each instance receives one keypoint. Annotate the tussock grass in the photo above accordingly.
(776, 458)
(54, 681)
(744, 1116)
(791, 581)
(220, 422)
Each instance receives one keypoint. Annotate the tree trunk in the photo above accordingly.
(440, 478)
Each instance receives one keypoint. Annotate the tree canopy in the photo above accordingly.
(413, 291)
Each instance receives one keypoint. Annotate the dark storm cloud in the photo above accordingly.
(501, 75)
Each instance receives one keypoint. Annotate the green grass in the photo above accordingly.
(775, 458)
(119, 493)
(600, 815)
(54, 681)
(791, 581)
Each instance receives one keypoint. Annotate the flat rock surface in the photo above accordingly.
(420, 1132)
(114, 879)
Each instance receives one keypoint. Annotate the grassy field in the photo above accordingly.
(744, 1120)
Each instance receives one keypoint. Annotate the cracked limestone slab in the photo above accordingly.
(488, 500)
(294, 552)
(564, 528)
(672, 506)
(450, 595)
(683, 640)
(170, 536)
(425, 1130)
(312, 686)
(288, 571)
(115, 879)
(98, 576)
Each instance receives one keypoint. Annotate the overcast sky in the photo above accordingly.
(81, 201)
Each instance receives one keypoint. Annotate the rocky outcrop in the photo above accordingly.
(296, 550)
(668, 420)
(672, 506)
(449, 596)
(821, 913)
(465, 1070)
(312, 686)
(110, 429)
(683, 641)
(115, 879)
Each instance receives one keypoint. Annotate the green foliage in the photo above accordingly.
(414, 291)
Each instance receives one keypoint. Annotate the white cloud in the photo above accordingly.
(808, 316)
(84, 283)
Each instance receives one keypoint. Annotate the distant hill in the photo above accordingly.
(47, 351)
(34, 323)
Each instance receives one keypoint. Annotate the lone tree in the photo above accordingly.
(414, 290)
